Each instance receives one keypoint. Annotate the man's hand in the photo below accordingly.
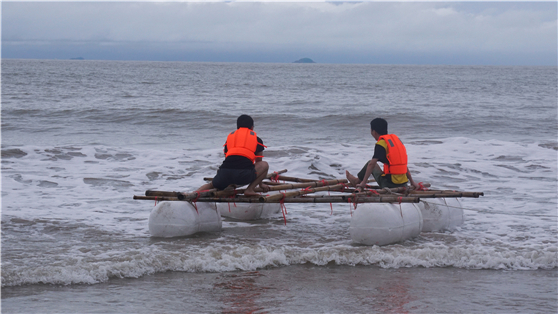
(264, 187)
(361, 185)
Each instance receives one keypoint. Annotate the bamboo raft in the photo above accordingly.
(303, 191)
(387, 216)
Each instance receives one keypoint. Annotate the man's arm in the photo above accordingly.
(413, 183)
(259, 156)
(259, 150)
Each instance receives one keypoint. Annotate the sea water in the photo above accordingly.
(80, 138)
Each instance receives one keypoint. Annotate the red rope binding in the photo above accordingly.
(283, 208)
(275, 177)
(234, 203)
(421, 187)
(155, 201)
(195, 200)
(352, 203)
(330, 204)
(232, 197)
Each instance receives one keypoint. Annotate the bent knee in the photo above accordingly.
(262, 165)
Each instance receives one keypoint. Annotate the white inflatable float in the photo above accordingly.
(440, 214)
(248, 211)
(382, 224)
(176, 219)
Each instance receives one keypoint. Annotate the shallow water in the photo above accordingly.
(79, 139)
(301, 289)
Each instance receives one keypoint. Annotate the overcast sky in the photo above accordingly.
(469, 33)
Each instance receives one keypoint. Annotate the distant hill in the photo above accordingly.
(78, 58)
(304, 60)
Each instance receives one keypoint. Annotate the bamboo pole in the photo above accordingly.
(381, 199)
(195, 194)
(286, 187)
(279, 196)
(455, 194)
(161, 193)
(278, 173)
(237, 199)
(167, 196)
(445, 192)
(294, 179)
(180, 195)
(155, 198)
(426, 185)
(272, 183)
(352, 198)
(427, 194)
(295, 197)
(401, 189)
(269, 175)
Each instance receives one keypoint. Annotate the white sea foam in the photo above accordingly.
(81, 197)
(223, 257)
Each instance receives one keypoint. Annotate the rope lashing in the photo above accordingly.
(198, 194)
(275, 177)
(283, 208)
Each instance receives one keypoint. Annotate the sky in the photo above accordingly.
(458, 33)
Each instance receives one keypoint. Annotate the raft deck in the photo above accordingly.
(303, 191)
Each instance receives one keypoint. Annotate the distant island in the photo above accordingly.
(304, 60)
(78, 58)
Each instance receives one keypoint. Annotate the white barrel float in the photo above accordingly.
(385, 223)
(175, 219)
(248, 211)
(440, 214)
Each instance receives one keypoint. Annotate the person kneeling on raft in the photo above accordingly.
(390, 151)
(243, 162)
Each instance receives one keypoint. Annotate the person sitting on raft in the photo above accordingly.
(392, 153)
(243, 160)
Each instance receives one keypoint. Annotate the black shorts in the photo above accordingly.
(226, 177)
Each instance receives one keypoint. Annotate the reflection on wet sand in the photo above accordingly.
(240, 292)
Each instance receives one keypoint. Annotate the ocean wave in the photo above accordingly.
(222, 258)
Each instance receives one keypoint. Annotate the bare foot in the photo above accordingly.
(230, 187)
(352, 179)
(250, 193)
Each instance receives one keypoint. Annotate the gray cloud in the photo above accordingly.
(367, 32)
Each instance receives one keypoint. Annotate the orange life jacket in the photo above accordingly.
(242, 142)
(396, 155)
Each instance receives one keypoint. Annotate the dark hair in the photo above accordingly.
(244, 121)
(379, 125)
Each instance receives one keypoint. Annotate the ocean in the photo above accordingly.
(80, 138)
